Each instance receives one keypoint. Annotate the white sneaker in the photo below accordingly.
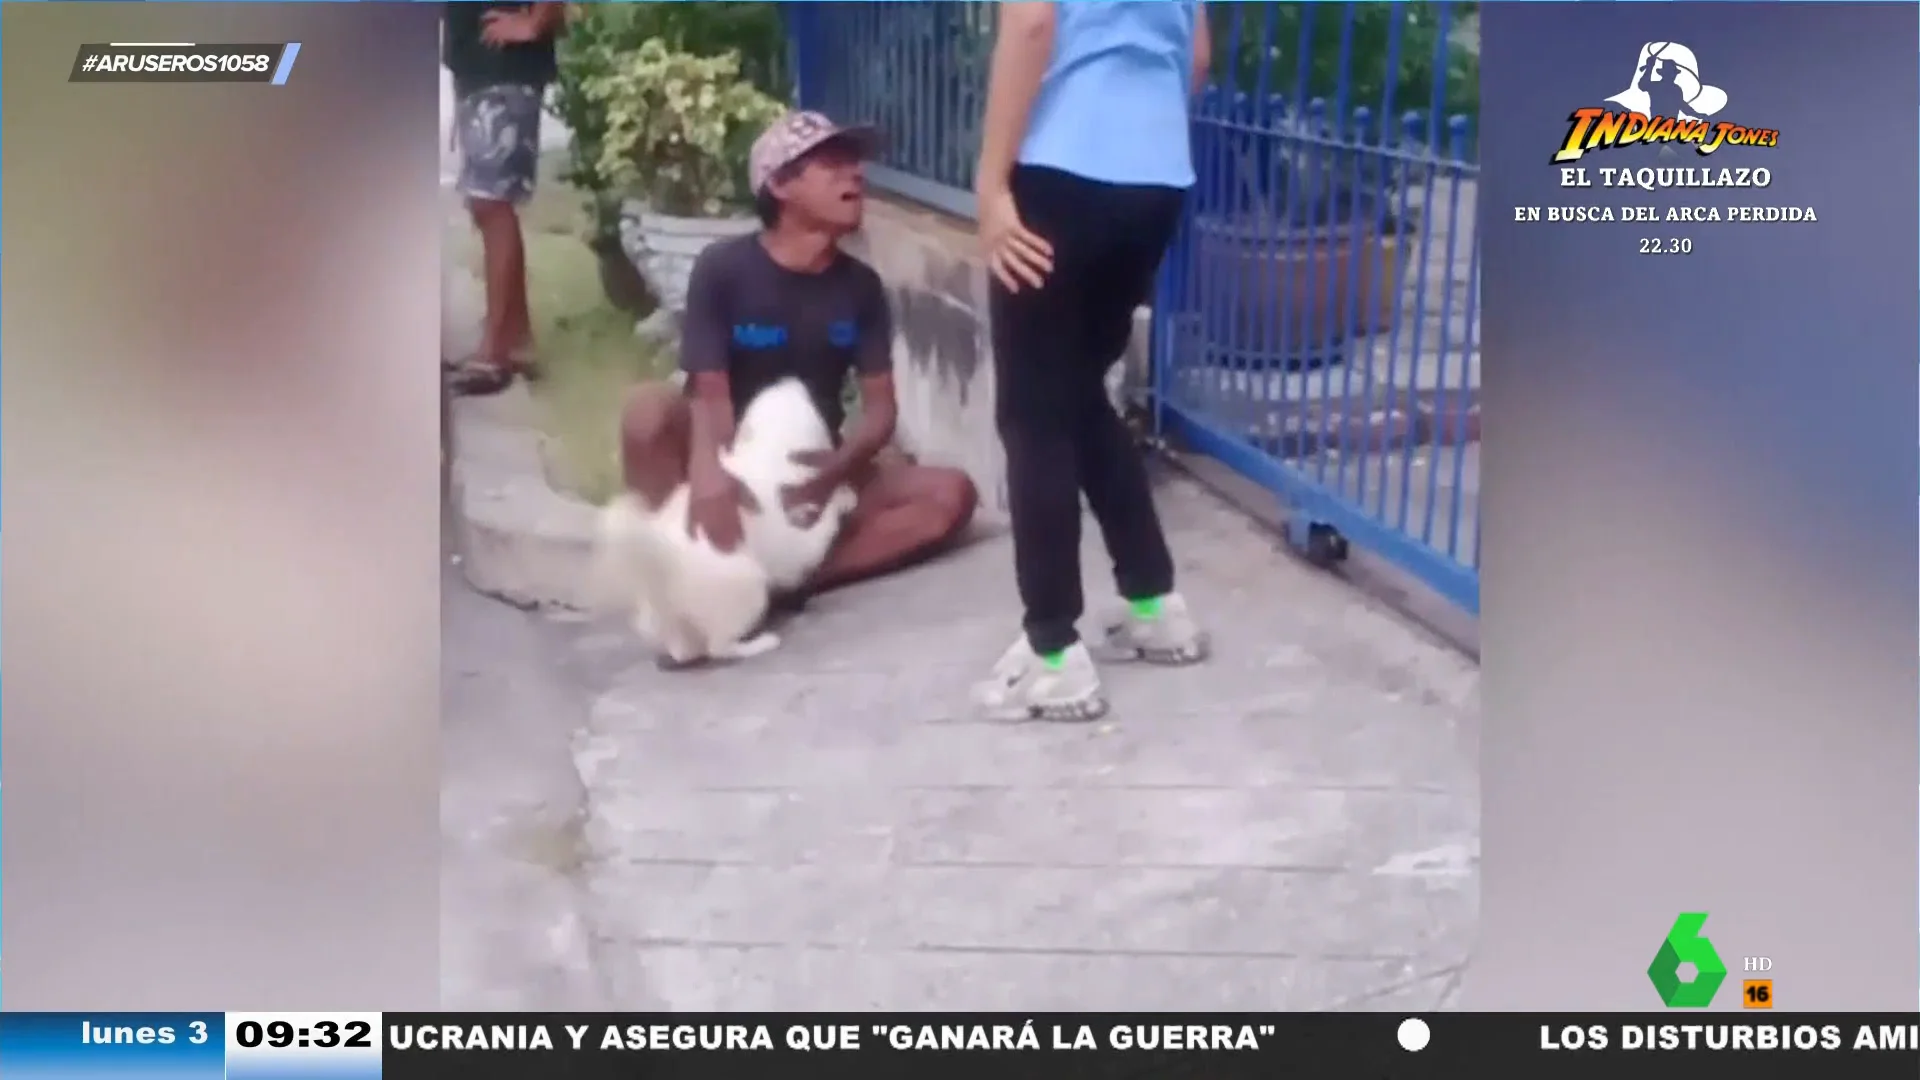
(1171, 637)
(1025, 687)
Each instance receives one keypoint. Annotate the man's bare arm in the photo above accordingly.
(1023, 46)
(710, 407)
(551, 18)
(879, 413)
(872, 430)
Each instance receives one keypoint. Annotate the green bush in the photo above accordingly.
(597, 35)
(678, 128)
(600, 35)
(753, 32)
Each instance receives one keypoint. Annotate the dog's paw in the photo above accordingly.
(758, 645)
(667, 661)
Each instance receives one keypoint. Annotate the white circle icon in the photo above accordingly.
(1414, 1034)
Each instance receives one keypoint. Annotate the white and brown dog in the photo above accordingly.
(694, 602)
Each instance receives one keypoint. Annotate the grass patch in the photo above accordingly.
(587, 347)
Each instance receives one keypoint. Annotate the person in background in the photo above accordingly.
(501, 57)
(785, 302)
(1084, 164)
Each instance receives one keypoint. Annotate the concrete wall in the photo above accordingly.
(942, 354)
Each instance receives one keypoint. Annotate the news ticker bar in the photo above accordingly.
(480, 1046)
(184, 62)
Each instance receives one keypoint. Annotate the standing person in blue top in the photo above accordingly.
(1084, 163)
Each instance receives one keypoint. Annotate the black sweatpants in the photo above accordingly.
(1052, 348)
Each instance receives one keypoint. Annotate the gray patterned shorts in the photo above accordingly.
(497, 131)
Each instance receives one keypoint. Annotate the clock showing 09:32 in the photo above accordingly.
(261, 1046)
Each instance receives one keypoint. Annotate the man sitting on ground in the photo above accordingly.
(787, 302)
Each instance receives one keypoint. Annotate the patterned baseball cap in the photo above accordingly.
(789, 138)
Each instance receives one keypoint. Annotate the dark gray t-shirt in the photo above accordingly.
(760, 322)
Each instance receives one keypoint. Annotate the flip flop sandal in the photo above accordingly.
(522, 362)
(475, 379)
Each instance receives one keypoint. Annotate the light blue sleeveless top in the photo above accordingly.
(1113, 106)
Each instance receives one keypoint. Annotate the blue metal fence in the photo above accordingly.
(917, 70)
(1316, 324)
(1316, 328)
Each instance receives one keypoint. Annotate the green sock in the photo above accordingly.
(1054, 660)
(1148, 608)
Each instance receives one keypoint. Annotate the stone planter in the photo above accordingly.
(664, 247)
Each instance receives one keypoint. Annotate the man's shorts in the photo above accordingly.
(497, 132)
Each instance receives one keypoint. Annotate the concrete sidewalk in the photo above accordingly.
(1292, 826)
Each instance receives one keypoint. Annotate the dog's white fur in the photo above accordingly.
(692, 601)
